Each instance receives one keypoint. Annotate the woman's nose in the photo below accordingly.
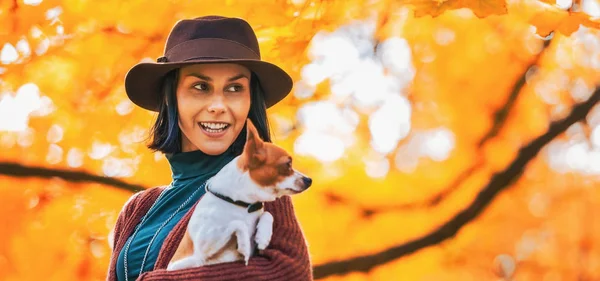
(216, 105)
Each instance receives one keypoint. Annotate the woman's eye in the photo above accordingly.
(201, 86)
(235, 88)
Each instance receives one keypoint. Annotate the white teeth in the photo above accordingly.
(214, 126)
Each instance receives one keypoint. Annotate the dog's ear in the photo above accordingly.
(252, 134)
(254, 150)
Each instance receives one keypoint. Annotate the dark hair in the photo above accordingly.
(165, 134)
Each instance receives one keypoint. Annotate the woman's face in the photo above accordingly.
(213, 101)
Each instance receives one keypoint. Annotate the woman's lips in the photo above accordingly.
(214, 133)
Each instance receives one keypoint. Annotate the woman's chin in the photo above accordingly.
(212, 144)
(213, 152)
(212, 147)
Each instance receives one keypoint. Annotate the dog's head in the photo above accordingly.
(270, 168)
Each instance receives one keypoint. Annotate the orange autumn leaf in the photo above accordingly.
(470, 85)
(481, 8)
(551, 18)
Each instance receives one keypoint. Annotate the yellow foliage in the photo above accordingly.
(552, 18)
(481, 8)
(468, 118)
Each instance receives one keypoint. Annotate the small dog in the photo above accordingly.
(229, 222)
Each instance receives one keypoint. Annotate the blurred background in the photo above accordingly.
(447, 139)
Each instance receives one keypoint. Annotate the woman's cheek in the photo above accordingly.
(242, 107)
(185, 112)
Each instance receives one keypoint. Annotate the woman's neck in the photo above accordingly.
(192, 165)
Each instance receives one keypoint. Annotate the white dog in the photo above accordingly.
(229, 221)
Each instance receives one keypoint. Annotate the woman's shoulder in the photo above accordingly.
(142, 197)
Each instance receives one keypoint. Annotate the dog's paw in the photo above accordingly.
(171, 267)
(245, 250)
(188, 262)
(244, 246)
(264, 231)
(262, 240)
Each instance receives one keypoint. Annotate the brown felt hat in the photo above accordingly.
(209, 39)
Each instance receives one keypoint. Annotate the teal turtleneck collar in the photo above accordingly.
(196, 165)
(190, 171)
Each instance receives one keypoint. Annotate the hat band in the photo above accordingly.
(210, 47)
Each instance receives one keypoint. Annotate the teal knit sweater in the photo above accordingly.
(189, 170)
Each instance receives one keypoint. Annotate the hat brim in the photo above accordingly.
(143, 82)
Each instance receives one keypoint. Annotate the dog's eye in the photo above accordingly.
(285, 167)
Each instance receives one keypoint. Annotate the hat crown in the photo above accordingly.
(214, 27)
(209, 39)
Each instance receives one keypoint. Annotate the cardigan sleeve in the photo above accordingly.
(286, 257)
(126, 210)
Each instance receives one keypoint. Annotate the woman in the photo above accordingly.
(209, 81)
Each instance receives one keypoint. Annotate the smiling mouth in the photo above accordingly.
(214, 127)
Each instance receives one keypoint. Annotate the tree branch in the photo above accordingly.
(18, 170)
(15, 19)
(501, 114)
(498, 183)
(14, 7)
(500, 117)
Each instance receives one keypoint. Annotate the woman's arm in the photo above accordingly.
(126, 210)
(286, 257)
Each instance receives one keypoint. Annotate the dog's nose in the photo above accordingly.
(307, 181)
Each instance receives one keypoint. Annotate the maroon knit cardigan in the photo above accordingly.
(286, 257)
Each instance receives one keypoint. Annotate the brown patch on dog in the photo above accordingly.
(253, 154)
(242, 163)
(268, 164)
(185, 249)
(275, 169)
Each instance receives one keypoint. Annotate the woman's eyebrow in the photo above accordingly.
(204, 77)
(241, 75)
